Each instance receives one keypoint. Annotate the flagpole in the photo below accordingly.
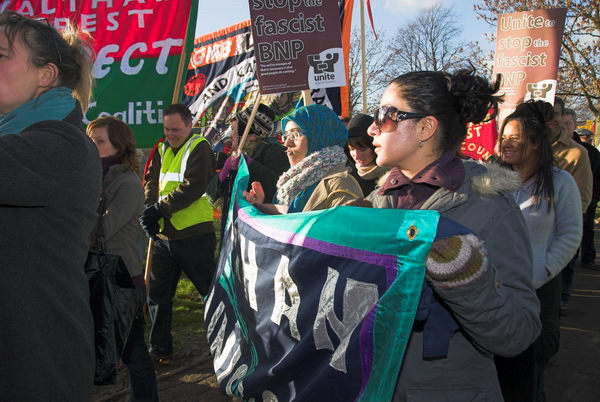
(363, 58)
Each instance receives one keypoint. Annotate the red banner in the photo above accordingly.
(137, 44)
(146, 23)
(481, 139)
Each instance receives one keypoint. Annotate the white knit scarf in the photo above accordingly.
(308, 171)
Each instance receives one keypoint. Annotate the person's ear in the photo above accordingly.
(427, 127)
(48, 75)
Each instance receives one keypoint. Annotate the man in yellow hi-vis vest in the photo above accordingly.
(179, 216)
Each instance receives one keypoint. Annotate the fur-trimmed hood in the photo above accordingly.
(493, 179)
(487, 179)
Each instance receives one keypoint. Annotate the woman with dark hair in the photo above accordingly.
(50, 178)
(550, 203)
(484, 309)
(122, 204)
(361, 153)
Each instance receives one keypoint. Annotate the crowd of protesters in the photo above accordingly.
(527, 211)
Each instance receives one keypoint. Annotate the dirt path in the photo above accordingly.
(574, 373)
(183, 378)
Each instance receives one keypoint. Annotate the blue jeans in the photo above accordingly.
(195, 257)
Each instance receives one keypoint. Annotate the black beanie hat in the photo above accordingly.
(358, 125)
(263, 121)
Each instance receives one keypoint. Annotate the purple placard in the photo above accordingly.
(297, 44)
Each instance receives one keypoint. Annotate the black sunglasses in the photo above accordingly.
(384, 114)
(52, 34)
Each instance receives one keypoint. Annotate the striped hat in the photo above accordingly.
(263, 123)
(456, 261)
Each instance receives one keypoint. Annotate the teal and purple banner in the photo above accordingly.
(317, 305)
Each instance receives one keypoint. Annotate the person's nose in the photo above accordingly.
(373, 130)
(507, 144)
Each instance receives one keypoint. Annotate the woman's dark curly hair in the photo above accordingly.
(453, 99)
(533, 116)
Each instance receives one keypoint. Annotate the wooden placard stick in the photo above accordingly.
(242, 142)
(306, 98)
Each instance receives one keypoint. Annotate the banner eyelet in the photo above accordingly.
(412, 232)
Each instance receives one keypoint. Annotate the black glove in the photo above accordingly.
(149, 220)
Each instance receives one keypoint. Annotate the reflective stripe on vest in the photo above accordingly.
(172, 172)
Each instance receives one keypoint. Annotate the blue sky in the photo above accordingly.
(388, 15)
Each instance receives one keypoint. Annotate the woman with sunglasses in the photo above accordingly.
(492, 310)
(50, 177)
(318, 177)
(550, 203)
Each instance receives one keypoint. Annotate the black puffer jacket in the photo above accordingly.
(269, 161)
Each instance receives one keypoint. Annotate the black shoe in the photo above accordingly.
(563, 308)
(158, 354)
(590, 265)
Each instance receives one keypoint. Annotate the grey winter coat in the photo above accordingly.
(124, 203)
(50, 177)
(498, 312)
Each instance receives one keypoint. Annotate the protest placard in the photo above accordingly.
(527, 54)
(298, 45)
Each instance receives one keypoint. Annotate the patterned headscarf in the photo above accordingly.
(320, 125)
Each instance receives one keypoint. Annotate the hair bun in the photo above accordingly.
(536, 109)
(473, 94)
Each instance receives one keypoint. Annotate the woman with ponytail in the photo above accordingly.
(50, 177)
(479, 307)
(550, 203)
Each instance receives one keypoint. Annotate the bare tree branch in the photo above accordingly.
(432, 42)
(377, 62)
